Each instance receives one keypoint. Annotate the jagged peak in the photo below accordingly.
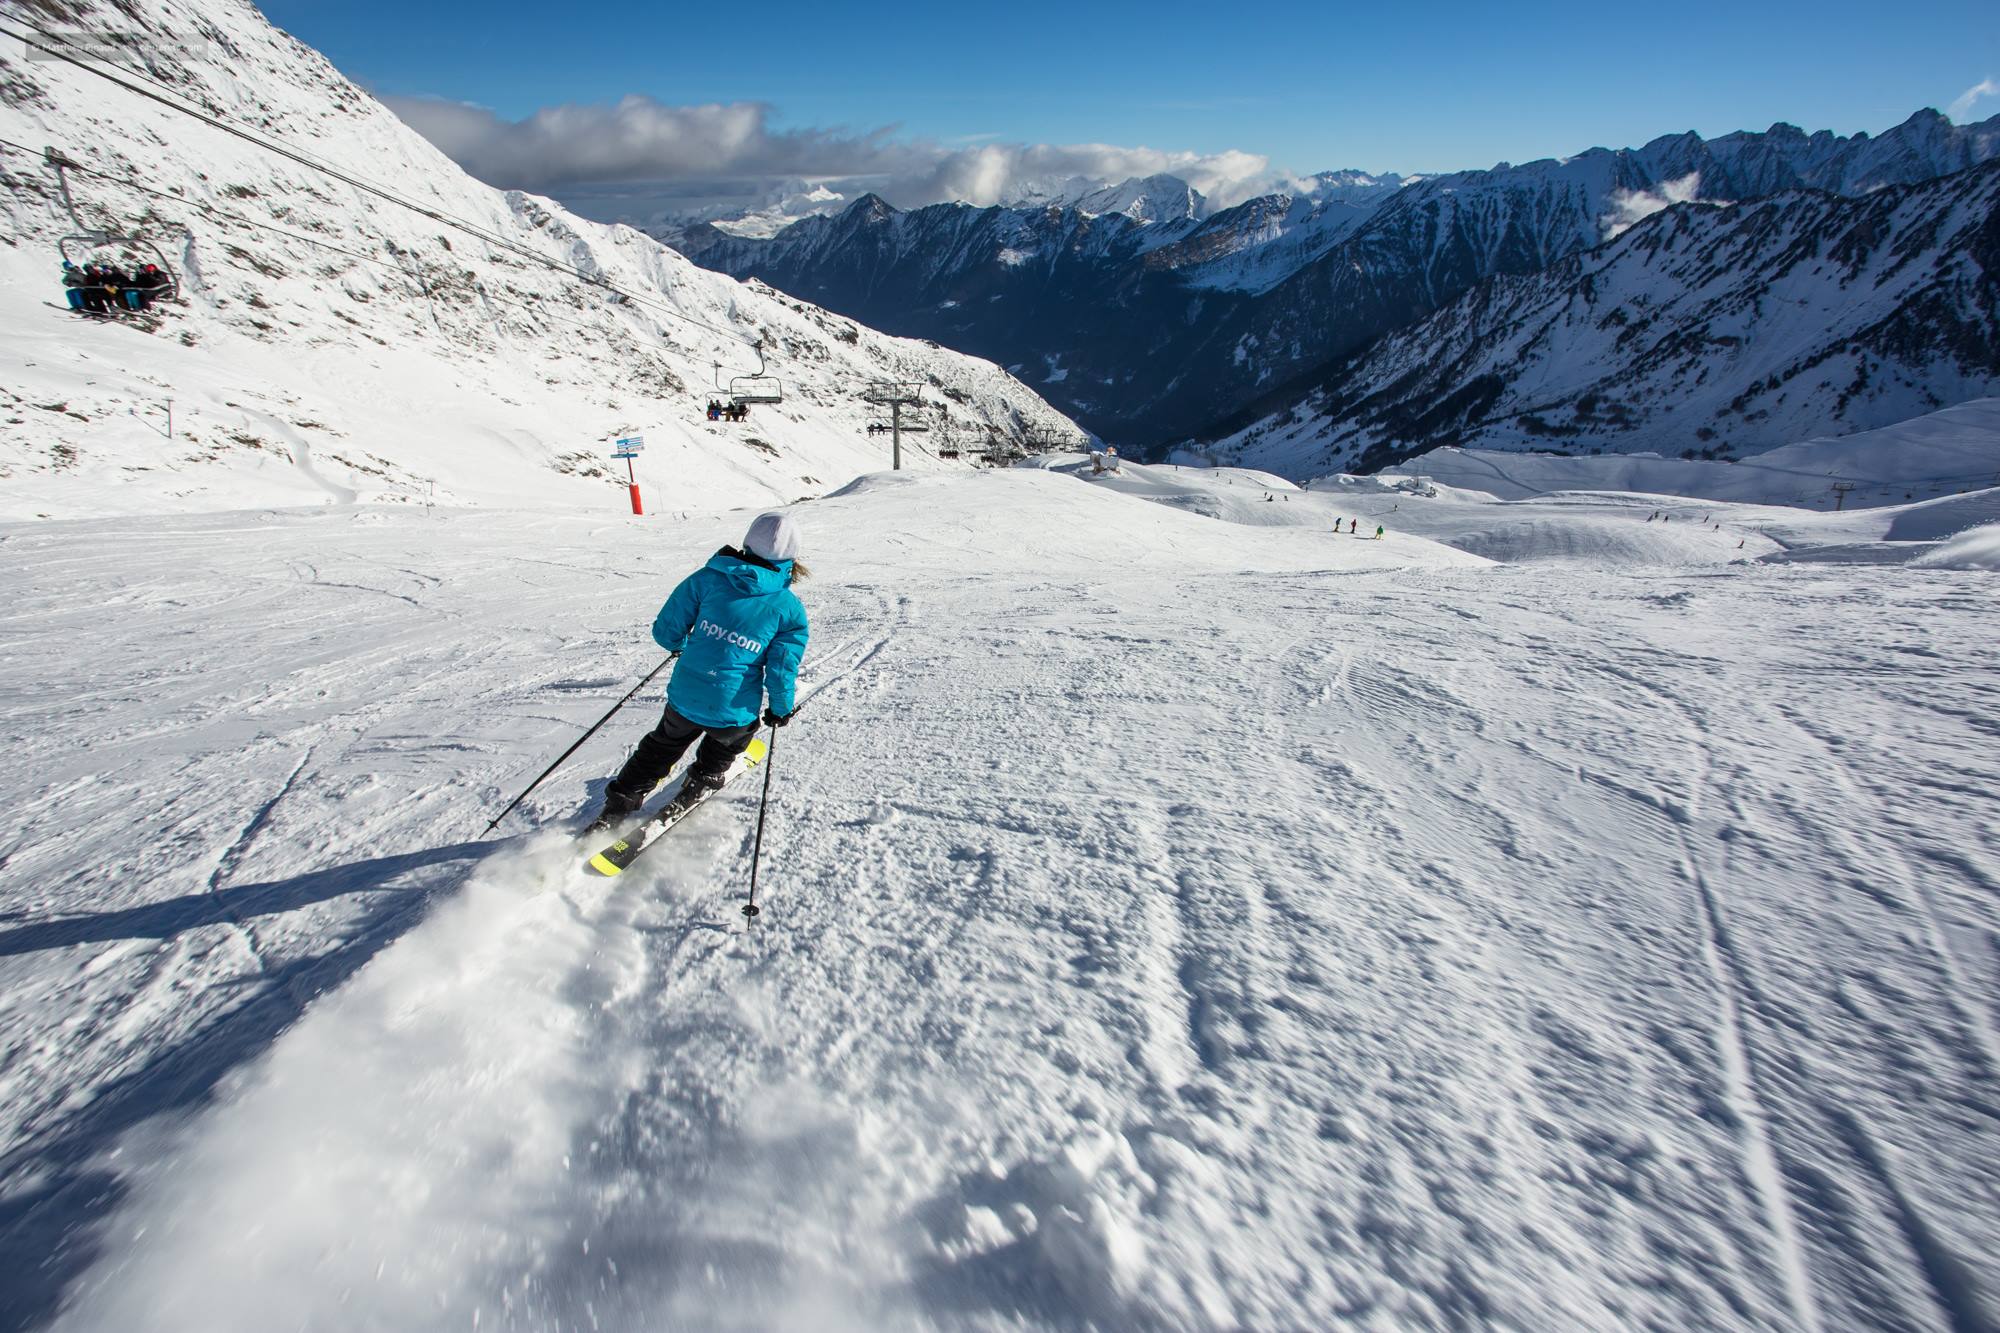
(871, 206)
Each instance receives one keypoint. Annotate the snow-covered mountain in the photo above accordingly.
(1707, 329)
(757, 210)
(763, 212)
(1146, 332)
(402, 333)
(1158, 198)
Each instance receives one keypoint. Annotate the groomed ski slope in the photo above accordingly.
(1170, 923)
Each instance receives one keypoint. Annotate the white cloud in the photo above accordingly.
(1961, 108)
(992, 173)
(635, 138)
(579, 149)
(1631, 207)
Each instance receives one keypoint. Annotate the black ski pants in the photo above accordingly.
(660, 748)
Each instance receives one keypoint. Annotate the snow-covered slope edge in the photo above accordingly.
(1947, 452)
(336, 345)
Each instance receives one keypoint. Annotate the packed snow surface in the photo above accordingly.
(1170, 922)
(1942, 453)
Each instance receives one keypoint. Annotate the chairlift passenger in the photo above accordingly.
(146, 285)
(116, 280)
(94, 287)
(75, 286)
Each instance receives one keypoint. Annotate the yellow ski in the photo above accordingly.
(619, 856)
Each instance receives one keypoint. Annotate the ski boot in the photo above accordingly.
(617, 809)
(695, 787)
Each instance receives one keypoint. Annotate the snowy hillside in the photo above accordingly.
(1702, 329)
(335, 344)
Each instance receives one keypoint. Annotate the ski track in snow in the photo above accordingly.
(1262, 931)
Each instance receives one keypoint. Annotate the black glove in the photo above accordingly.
(775, 718)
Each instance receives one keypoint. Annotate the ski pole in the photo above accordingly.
(750, 909)
(579, 741)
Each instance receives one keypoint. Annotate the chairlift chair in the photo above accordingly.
(762, 387)
(131, 252)
(82, 245)
(756, 389)
(893, 391)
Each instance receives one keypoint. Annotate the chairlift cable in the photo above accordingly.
(389, 196)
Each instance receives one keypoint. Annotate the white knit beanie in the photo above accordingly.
(774, 537)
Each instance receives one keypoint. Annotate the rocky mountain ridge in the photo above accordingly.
(1148, 332)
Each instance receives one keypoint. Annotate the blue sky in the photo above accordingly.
(1308, 86)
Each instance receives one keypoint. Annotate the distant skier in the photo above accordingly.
(1378, 532)
(740, 631)
(1354, 527)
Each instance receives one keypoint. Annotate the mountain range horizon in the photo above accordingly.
(1159, 322)
(759, 206)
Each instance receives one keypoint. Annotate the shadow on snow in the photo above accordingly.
(55, 1189)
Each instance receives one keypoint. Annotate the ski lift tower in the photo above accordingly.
(896, 395)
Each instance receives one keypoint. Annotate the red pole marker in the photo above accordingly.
(633, 480)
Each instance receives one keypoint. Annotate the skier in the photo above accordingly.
(740, 632)
(1378, 532)
(1354, 527)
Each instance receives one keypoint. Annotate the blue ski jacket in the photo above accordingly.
(740, 631)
